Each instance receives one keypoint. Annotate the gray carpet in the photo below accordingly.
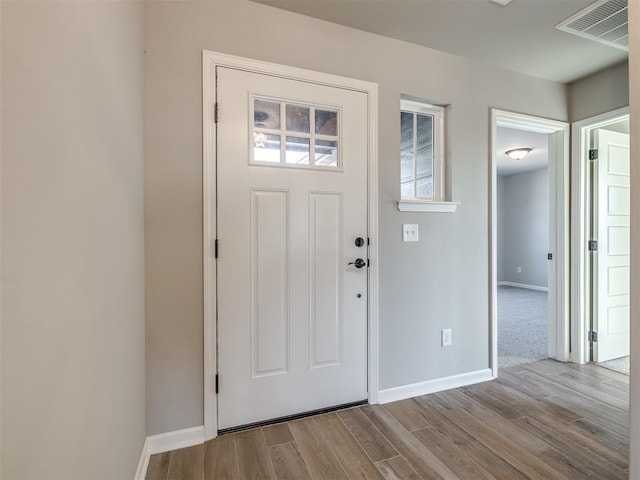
(620, 365)
(522, 326)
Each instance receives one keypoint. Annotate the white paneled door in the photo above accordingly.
(612, 206)
(292, 206)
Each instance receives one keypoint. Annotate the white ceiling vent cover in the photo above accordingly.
(604, 21)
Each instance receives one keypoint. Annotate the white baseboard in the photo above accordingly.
(433, 386)
(143, 463)
(523, 285)
(165, 442)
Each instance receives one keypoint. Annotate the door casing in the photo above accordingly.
(581, 288)
(558, 223)
(210, 61)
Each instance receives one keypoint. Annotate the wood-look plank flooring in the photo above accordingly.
(544, 420)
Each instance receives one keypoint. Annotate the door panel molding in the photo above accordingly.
(210, 61)
(325, 232)
(269, 285)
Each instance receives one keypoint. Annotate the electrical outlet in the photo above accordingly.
(446, 337)
(519, 269)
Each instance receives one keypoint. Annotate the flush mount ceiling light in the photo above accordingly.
(518, 153)
(504, 3)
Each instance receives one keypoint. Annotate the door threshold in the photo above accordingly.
(289, 418)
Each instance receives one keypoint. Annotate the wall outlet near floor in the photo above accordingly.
(445, 335)
(519, 269)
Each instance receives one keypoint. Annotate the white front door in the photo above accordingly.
(292, 204)
(611, 269)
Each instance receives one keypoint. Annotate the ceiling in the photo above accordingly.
(510, 138)
(520, 36)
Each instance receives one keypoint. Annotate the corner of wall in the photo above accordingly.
(634, 92)
(1, 451)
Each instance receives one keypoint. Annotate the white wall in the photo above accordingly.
(523, 222)
(72, 271)
(420, 284)
(634, 102)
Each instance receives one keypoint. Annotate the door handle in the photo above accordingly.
(358, 263)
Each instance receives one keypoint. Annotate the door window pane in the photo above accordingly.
(297, 151)
(326, 153)
(297, 118)
(266, 148)
(266, 114)
(326, 122)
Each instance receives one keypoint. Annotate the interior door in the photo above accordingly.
(611, 269)
(292, 222)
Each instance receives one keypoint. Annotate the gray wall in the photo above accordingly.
(73, 397)
(500, 189)
(523, 222)
(438, 282)
(599, 93)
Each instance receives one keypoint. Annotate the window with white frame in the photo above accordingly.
(291, 134)
(421, 151)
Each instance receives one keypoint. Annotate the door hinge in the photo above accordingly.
(368, 241)
(593, 154)
(217, 385)
(215, 113)
(368, 263)
(215, 248)
(549, 256)
(592, 336)
(593, 245)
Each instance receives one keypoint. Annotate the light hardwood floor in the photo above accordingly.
(545, 420)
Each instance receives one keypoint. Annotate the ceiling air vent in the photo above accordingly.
(604, 21)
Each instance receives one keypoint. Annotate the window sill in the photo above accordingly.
(427, 206)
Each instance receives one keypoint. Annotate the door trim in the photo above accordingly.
(211, 60)
(559, 347)
(581, 269)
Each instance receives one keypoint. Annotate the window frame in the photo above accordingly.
(437, 113)
(283, 132)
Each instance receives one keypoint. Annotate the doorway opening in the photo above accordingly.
(602, 241)
(522, 246)
(557, 248)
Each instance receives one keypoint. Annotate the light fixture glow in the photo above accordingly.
(518, 153)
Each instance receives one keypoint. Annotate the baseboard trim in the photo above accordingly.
(433, 386)
(523, 285)
(165, 442)
(143, 462)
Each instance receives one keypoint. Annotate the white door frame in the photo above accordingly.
(559, 223)
(580, 212)
(211, 60)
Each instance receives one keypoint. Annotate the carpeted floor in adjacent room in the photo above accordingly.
(620, 365)
(522, 326)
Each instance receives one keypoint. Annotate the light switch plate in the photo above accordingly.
(410, 232)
